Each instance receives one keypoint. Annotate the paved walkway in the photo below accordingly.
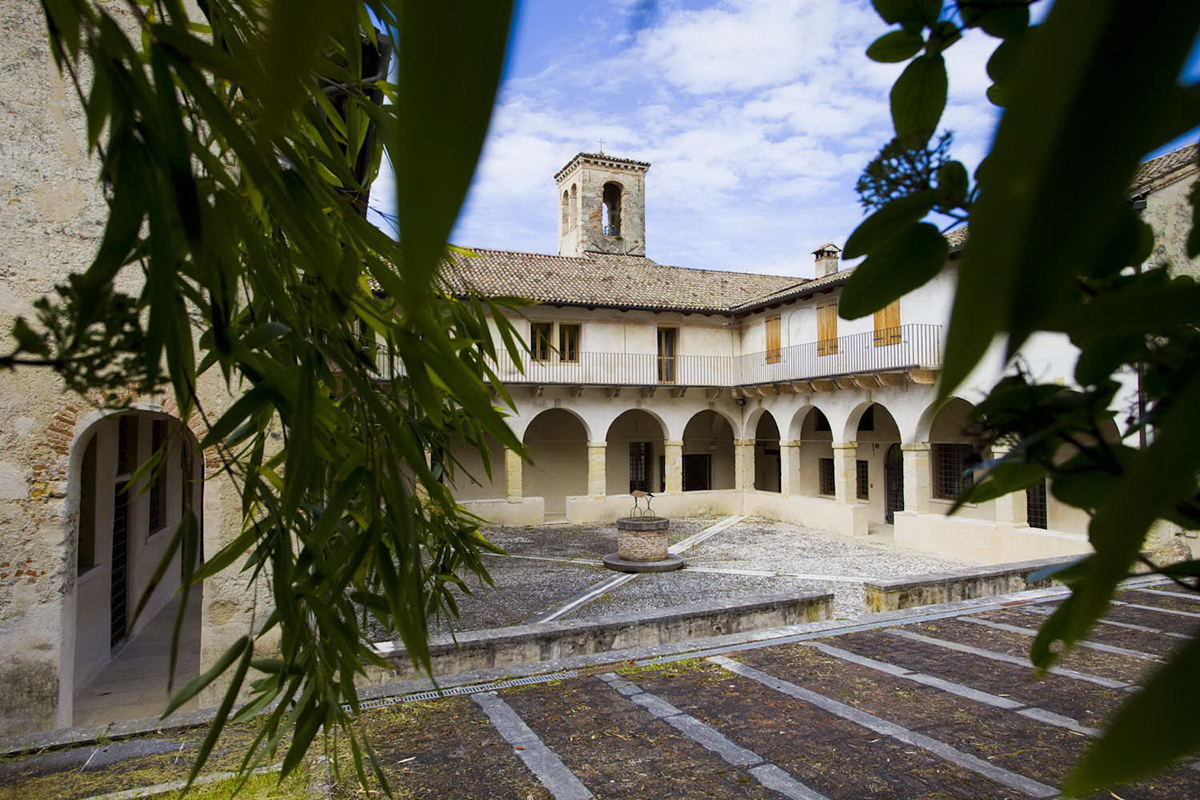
(946, 706)
(134, 684)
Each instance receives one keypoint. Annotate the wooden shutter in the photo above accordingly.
(568, 342)
(887, 324)
(541, 341)
(827, 329)
(773, 348)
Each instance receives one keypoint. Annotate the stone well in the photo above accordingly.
(642, 546)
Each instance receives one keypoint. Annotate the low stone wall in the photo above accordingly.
(963, 584)
(526, 644)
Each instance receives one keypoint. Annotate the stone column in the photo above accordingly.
(597, 467)
(513, 467)
(673, 464)
(743, 464)
(845, 454)
(787, 467)
(916, 477)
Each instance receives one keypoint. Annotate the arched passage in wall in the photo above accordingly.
(815, 453)
(766, 454)
(122, 531)
(953, 454)
(557, 443)
(879, 469)
(634, 453)
(708, 459)
(470, 480)
(611, 209)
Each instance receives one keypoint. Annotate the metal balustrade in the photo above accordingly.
(904, 347)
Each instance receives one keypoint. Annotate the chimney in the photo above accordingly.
(827, 259)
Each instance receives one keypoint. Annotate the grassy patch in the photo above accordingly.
(687, 666)
(257, 787)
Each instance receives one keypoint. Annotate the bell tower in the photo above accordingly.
(602, 205)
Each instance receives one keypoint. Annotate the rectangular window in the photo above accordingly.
(668, 346)
(568, 342)
(639, 466)
(1035, 505)
(774, 351)
(950, 461)
(539, 340)
(827, 344)
(887, 324)
(825, 483)
(863, 480)
(158, 488)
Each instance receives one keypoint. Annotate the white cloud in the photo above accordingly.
(757, 115)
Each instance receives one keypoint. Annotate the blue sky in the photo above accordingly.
(756, 115)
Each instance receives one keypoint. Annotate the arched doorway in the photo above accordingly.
(557, 443)
(124, 526)
(766, 454)
(893, 483)
(879, 467)
(634, 454)
(708, 459)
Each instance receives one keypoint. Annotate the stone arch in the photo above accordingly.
(767, 461)
(556, 440)
(520, 424)
(878, 467)
(708, 451)
(850, 429)
(634, 452)
(814, 435)
(118, 534)
(952, 450)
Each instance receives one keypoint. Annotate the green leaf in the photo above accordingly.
(447, 55)
(1149, 732)
(919, 97)
(882, 226)
(197, 684)
(912, 14)
(895, 46)
(1050, 190)
(953, 183)
(907, 261)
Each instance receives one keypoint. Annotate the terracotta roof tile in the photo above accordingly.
(1152, 172)
(609, 281)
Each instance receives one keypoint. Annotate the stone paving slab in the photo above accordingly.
(870, 714)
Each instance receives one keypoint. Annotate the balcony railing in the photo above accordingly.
(905, 347)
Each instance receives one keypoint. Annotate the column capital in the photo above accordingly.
(788, 443)
(672, 442)
(597, 444)
(744, 442)
(845, 445)
(915, 447)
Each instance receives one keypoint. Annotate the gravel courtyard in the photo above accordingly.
(549, 565)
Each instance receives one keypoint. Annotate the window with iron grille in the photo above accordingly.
(158, 489)
(863, 480)
(825, 484)
(639, 466)
(950, 460)
(1035, 505)
(540, 340)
